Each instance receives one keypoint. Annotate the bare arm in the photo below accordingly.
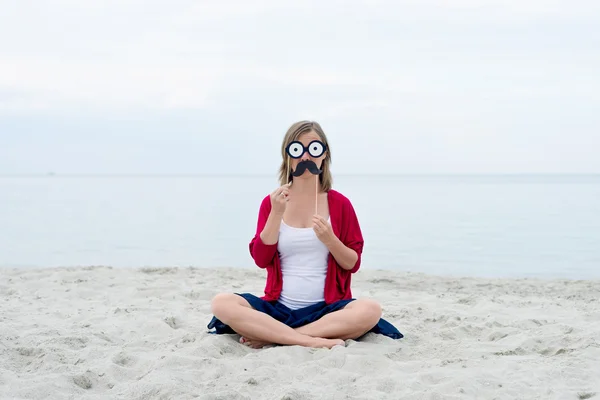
(270, 233)
(345, 256)
(279, 199)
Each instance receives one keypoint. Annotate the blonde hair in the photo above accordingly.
(293, 133)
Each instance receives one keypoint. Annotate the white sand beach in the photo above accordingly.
(101, 332)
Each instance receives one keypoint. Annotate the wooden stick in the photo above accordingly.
(316, 192)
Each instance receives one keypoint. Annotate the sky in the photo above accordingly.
(399, 86)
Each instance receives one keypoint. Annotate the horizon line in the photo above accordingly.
(237, 175)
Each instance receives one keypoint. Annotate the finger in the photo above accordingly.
(318, 221)
(278, 192)
(319, 217)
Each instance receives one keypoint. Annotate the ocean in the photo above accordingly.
(462, 225)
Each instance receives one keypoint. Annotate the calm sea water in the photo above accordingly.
(507, 226)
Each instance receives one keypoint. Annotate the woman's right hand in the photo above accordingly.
(279, 199)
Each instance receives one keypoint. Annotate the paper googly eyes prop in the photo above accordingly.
(295, 149)
(315, 148)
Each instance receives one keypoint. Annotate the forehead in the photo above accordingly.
(307, 137)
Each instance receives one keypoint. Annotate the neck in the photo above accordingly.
(308, 187)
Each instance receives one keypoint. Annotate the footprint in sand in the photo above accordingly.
(172, 322)
(83, 381)
(123, 359)
(29, 351)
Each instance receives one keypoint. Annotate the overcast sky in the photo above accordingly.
(400, 86)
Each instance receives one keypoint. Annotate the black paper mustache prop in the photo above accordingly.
(306, 165)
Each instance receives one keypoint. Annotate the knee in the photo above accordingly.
(370, 312)
(221, 304)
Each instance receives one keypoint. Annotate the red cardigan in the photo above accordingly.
(344, 224)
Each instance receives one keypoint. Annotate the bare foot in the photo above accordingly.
(314, 342)
(255, 344)
(327, 343)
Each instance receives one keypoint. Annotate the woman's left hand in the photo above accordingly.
(323, 230)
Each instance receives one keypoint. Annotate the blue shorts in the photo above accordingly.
(300, 317)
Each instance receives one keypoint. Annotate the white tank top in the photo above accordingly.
(303, 265)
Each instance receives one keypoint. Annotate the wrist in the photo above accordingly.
(276, 213)
(331, 242)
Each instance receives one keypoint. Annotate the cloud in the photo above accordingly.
(80, 84)
(450, 86)
(118, 55)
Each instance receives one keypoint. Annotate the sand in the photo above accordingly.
(101, 332)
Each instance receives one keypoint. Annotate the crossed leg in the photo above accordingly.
(258, 329)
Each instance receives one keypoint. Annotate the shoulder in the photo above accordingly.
(343, 213)
(338, 198)
(265, 204)
(266, 200)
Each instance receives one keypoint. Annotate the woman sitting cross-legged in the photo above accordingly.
(309, 241)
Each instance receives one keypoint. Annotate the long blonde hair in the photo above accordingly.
(293, 133)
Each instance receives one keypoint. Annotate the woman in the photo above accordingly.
(309, 240)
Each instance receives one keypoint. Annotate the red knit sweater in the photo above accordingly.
(345, 226)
